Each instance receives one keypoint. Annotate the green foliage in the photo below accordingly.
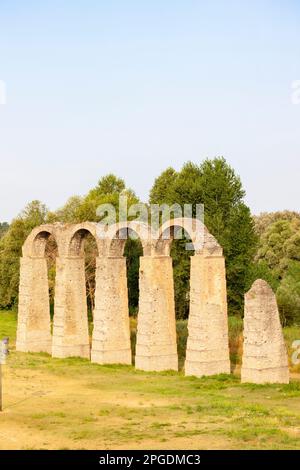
(182, 335)
(11, 244)
(214, 184)
(288, 295)
(239, 243)
(279, 244)
(3, 228)
(261, 270)
(181, 273)
(133, 251)
(107, 191)
(278, 257)
(163, 190)
(34, 214)
(265, 219)
(69, 213)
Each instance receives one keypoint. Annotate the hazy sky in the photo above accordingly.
(132, 87)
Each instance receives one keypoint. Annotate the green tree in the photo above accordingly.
(288, 295)
(133, 251)
(265, 219)
(163, 189)
(279, 244)
(278, 254)
(108, 191)
(215, 185)
(261, 271)
(3, 228)
(69, 213)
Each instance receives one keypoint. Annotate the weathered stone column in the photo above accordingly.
(207, 345)
(111, 334)
(156, 347)
(33, 333)
(70, 325)
(265, 357)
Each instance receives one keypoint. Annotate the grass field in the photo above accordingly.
(73, 404)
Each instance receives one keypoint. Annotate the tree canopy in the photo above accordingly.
(279, 255)
(214, 184)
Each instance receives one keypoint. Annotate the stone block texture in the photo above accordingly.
(70, 323)
(265, 357)
(111, 334)
(33, 333)
(207, 345)
(156, 347)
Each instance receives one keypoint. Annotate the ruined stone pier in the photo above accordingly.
(265, 357)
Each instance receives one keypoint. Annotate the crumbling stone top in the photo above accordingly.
(260, 287)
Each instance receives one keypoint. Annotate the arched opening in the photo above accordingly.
(176, 242)
(40, 242)
(45, 245)
(51, 253)
(83, 245)
(133, 250)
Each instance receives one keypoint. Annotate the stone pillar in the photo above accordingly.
(265, 357)
(111, 334)
(34, 332)
(70, 325)
(207, 345)
(156, 347)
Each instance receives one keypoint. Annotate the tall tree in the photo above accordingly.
(278, 255)
(107, 191)
(288, 295)
(214, 184)
(279, 243)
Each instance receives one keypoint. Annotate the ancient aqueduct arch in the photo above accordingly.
(156, 350)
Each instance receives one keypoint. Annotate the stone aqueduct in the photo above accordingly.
(156, 349)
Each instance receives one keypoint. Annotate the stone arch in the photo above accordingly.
(200, 237)
(118, 234)
(70, 328)
(207, 350)
(111, 335)
(35, 243)
(76, 235)
(156, 347)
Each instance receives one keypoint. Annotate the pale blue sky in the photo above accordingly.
(132, 87)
